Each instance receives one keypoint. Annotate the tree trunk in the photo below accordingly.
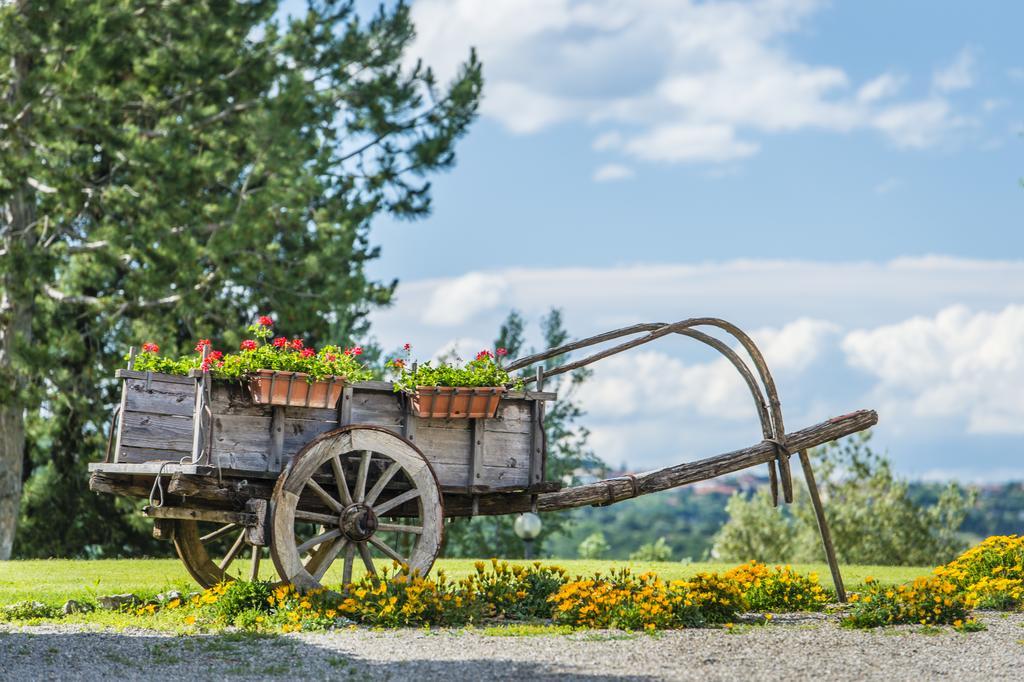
(15, 331)
(18, 238)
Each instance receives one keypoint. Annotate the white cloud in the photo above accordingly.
(689, 143)
(918, 124)
(959, 75)
(678, 81)
(959, 364)
(457, 301)
(610, 172)
(886, 85)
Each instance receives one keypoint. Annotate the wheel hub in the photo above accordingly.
(358, 522)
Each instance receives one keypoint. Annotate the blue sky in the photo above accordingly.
(841, 178)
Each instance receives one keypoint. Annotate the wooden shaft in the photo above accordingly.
(613, 490)
(826, 536)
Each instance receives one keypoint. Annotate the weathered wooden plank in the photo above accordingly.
(156, 431)
(133, 455)
(453, 477)
(193, 513)
(162, 397)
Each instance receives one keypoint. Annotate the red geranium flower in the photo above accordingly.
(203, 343)
(331, 357)
(215, 355)
(308, 352)
(399, 363)
(407, 346)
(501, 352)
(150, 348)
(358, 350)
(280, 342)
(484, 354)
(249, 344)
(266, 321)
(297, 344)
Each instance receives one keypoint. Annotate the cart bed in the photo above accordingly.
(157, 424)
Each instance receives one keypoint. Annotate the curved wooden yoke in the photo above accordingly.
(765, 395)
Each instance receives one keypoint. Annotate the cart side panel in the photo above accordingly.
(156, 420)
(504, 463)
(241, 437)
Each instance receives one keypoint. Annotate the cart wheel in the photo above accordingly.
(357, 490)
(215, 552)
(195, 541)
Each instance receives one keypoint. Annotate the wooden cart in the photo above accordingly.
(370, 481)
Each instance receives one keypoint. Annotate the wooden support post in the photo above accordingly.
(198, 432)
(124, 403)
(345, 406)
(477, 452)
(826, 536)
(537, 453)
(274, 462)
(408, 420)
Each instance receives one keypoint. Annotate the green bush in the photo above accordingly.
(653, 551)
(28, 610)
(231, 600)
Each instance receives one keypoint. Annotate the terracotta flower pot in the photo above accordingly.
(269, 387)
(457, 402)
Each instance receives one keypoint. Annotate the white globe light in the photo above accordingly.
(527, 526)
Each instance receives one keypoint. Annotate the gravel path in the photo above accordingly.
(791, 648)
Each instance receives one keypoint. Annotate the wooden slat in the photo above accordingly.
(162, 397)
(215, 515)
(156, 431)
(131, 455)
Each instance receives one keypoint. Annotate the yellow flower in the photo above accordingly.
(174, 603)
(189, 620)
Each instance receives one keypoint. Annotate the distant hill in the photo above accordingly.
(689, 517)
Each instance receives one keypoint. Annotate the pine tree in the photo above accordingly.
(169, 170)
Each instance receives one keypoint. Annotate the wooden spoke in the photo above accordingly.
(319, 539)
(217, 533)
(384, 479)
(364, 551)
(350, 559)
(364, 470)
(233, 552)
(382, 546)
(339, 479)
(328, 557)
(398, 528)
(313, 517)
(396, 501)
(254, 571)
(324, 495)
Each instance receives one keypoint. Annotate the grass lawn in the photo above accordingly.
(54, 581)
